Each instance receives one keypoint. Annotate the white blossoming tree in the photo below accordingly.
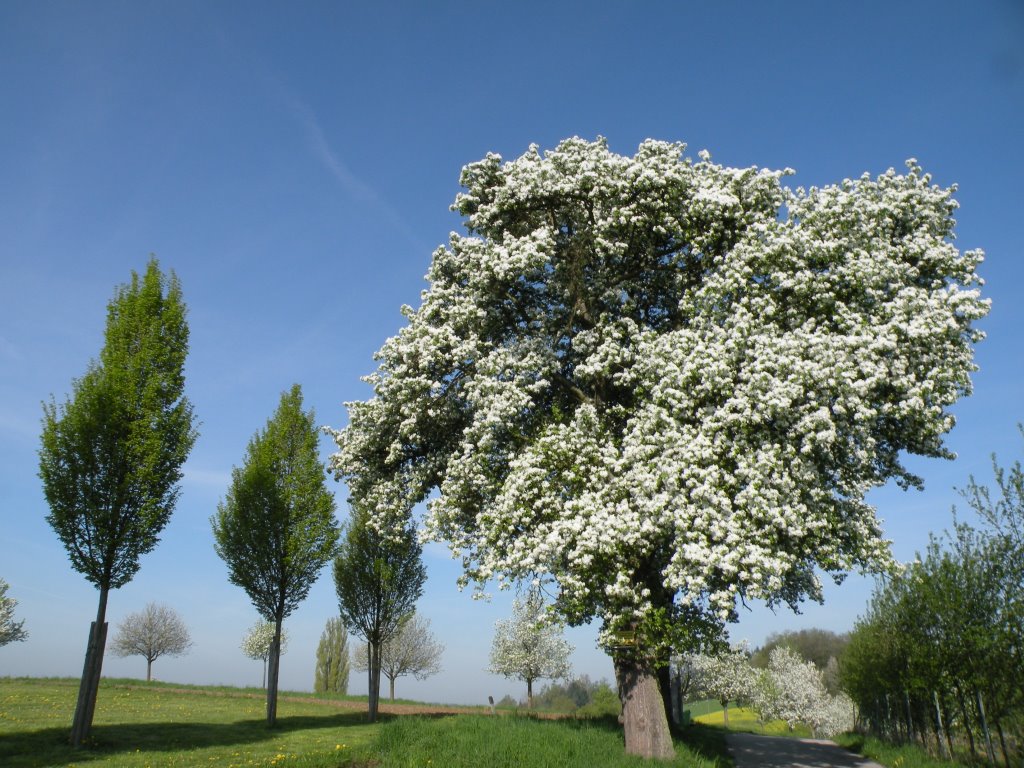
(258, 641)
(793, 690)
(10, 630)
(664, 385)
(528, 646)
(725, 676)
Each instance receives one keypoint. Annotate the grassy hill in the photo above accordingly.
(140, 725)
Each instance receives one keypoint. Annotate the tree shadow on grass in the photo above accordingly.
(49, 746)
(704, 741)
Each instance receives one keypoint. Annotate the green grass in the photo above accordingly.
(892, 755)
(140, 725)
(473, 741)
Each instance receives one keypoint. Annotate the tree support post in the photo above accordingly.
(989, 748)
(90, 684)
(939, 728)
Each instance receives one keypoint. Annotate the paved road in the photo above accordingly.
(753, 751)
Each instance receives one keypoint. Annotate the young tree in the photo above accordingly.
(412, 651)
(332, 658)
(726, 676)
(259, 640)
(378, 577)
(668, 385)
(10, 630)
(111, 455)
(528, 646)
(276, 528)
(151, 633)
(793, 690)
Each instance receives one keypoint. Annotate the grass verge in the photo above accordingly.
(892, 755)
(470, 741)
(146, 726)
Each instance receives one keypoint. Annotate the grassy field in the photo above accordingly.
(710, 712)
(140, 725)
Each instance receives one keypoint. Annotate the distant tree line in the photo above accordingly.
(578, 695)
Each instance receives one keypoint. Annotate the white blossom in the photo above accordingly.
(665, 385)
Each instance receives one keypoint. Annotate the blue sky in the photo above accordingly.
(294, 164)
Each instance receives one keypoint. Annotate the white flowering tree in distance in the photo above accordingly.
(528, 646)
(664, 385)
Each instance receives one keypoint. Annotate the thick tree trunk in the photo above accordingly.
(529, 693)
(273, 672)
(149, 670)
(91, 670)
(391, 687)
(643, 711)
(725, 714)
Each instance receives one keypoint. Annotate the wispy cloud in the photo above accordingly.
(323, 151)
(321, 148)
(9, 351)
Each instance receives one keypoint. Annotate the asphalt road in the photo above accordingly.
(753, 751)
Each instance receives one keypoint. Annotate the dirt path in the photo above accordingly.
(753, 751)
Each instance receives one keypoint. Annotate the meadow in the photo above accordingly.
(140, 725)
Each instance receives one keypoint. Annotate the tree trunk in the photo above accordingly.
(89, 686)
(967, 722)
(391, 687)
(643, 710)
(665, 684)
(273, 673)
(1002, 744)
(529, 693)
(149, 670)
(373, 651)
(725, 714)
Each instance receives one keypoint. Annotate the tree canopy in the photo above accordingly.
(667, 385)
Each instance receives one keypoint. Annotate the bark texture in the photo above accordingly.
(643, 711)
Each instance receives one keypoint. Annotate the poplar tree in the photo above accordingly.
(332, 665)
(275, 528)
(111, 454)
